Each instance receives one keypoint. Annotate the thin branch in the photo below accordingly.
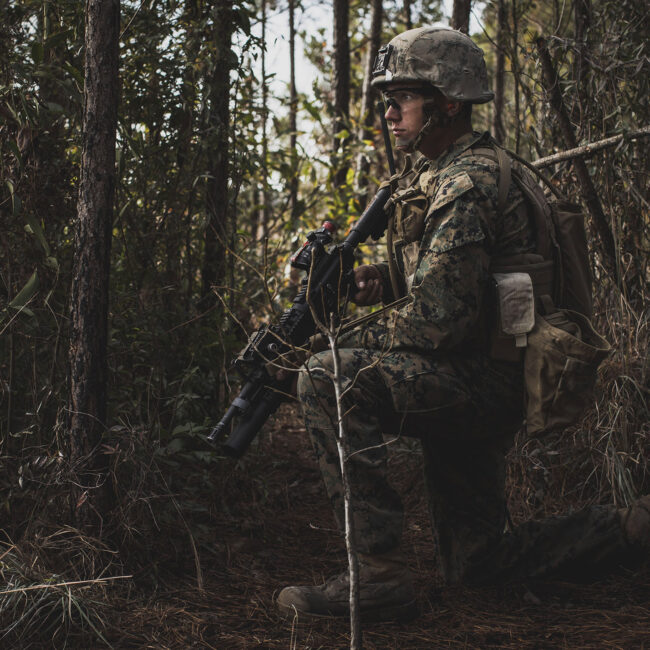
(591, 148)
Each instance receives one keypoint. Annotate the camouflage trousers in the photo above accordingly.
(465, 412)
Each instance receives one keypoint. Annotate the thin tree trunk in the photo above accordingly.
(502, 29)
(460, 15)
(408, 20)
(217, 204)
(515, 72)
(293, 115)
(589, 193)
(264, 214)
(92, 494)
(343, 448)
(178, 220)
(341, 82)
(368, 93)
(582, 18)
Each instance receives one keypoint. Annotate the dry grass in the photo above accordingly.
(266, 523)
(36, 605)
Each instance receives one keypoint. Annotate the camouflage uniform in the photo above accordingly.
(425, 371)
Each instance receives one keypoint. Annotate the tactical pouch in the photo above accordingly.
(515, 315)
(560, 364)
(514, 298)
(410, 210)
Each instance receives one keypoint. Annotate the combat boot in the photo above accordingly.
(635, 522)
(385, 593)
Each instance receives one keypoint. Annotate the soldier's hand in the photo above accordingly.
(369, 285)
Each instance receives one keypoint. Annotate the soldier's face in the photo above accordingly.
(405, 114)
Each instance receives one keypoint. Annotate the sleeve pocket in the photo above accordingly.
(453, 219)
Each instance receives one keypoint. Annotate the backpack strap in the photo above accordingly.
(505, 171)
(543, 177)
(505, 177)
(531, 191)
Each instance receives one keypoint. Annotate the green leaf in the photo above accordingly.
(37, 230)
(176, 445)
(58, 38)
(53, 107)
(52, 262)
(37, 53)
(25, 294)
(16, 204)
(13, 146)
(75, 73)
(313, 111)
(182, 428)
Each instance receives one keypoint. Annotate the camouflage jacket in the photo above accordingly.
(446, 230)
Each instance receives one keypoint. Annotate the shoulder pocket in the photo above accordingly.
(453, 226)
(450, 190)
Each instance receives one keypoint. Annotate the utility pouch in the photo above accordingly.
(515, 315)
(410, 211)
(560, 364)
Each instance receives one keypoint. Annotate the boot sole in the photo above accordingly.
(395, 613)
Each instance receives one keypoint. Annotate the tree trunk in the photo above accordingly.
(514, 57)
(293, 115)
(408, 21)
(502, 29)
(178, 219)
(92, 494)
(460, 15)
(341, 83)
(264, 213)
(582, 16)
(368, 93)
(218, 126)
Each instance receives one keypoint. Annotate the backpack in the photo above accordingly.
(544, 304)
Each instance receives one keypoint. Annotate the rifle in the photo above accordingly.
(329, 280)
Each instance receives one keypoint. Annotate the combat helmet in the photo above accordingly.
(440, 56)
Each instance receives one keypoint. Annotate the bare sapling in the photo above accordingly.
(342, 447)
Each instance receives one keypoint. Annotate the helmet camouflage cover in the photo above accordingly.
(439, 56)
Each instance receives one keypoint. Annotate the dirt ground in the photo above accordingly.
(273, 527)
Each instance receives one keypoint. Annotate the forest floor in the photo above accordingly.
(204, 546)
(273, 527)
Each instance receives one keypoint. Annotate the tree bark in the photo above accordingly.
(92, 494)
(218, 126)
(178, 219)
(589, 193)
(263, 221)
(368, 93)
(502, 29)
(582, 19)
(293, 115)
(460, 15)
(341, 83)
(408, 21)
(515, 72)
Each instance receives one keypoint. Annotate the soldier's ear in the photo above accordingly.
(453, 108)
